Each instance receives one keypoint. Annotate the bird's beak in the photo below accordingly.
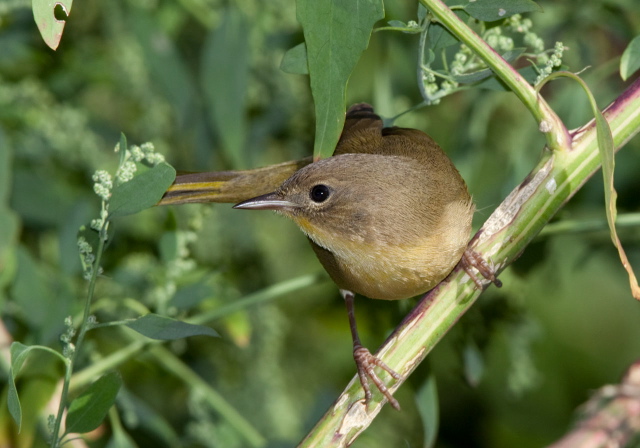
(269, 201)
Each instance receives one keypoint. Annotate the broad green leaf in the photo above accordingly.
(473, 364)
(164, 328)
(439, 37)
(491, 10)
(397, 23)
(191, 295)
(422, 12)
(294, 60)
(630, 61)
(427, 401)
(141, 192)
(336, 32)
(19, 353)
(50, 28)
(224, 77)
(88, 410)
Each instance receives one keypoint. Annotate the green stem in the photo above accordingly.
(421, 48)
(213, 398)
(409, 30)
(84, 326)
(263, 295)
(113, 323)
(557, 136)
(86, 375)
(595, 225)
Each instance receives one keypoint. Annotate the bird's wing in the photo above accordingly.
(364, 133)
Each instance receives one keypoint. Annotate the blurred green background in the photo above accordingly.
(201, 80)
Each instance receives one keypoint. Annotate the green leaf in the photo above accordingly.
(164, 328)
(491, 10)
(120, 439)
(473, 364)
(191, 295)
(224, 77)
(19, 353)
(606, 148)
(438, 36)
(630, 61)
(50, 28)
(294, 60)
(397, 23)
(32, 287)
(143, 191)
(13, 401)
(88, 411)
(336, 32)
(427, 401)
(422, 12)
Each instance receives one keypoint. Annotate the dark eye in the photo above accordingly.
(319, 193)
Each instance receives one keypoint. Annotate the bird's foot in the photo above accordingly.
(365, 362)
(472, 259)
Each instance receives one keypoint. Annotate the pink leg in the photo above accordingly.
(365, 361)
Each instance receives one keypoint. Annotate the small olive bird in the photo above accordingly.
(388, 215)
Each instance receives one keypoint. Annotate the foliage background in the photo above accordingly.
(201, 81)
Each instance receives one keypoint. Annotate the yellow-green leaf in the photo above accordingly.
(50, 27)
(606, 148)
(630, 60)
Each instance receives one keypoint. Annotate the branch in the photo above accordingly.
(503, 237)
(610, 418)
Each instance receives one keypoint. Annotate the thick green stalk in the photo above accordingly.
(520, 217)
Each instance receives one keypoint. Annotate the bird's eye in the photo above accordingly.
(319, 193)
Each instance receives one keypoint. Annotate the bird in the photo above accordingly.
(388, 216)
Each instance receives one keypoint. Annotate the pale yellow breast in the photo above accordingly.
(395, 272)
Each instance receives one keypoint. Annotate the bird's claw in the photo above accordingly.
(472, 259)
(365, 362)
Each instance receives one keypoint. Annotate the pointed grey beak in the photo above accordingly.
(267, 201)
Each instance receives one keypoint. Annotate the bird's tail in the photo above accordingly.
(229, 186)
